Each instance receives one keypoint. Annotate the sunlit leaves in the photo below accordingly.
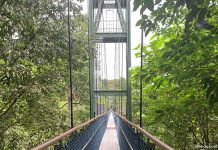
(193, 13)
(180, 86)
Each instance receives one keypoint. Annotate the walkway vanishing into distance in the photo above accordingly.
(110, 139)
(109, 22)
(109, 131)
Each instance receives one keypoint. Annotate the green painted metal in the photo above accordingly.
(120, 15)
(124, 36)
(111, 93)
(91, 61)
(128, 61)
(111, 37)
(98, 16)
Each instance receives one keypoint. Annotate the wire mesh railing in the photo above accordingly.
(89, 138)
(132, 137)
(85, 136)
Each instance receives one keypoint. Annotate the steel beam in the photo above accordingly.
(111, 37)
(120, 15)
(110, 93)
(98, 16)
(128, 62)
(123, 2)
(91, 61)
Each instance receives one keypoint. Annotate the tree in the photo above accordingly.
(34, 70)
(180, 71)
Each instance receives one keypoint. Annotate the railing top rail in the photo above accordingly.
(64, 135)
(161, 144)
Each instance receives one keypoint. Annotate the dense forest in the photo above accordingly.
(180, 71)
(34, 70)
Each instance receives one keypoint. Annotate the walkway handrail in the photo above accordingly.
(154, 139)
(64, 135)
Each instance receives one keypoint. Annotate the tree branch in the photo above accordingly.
(12, 104)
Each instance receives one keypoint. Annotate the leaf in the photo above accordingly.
(210, 89)
(137, 47)
(167, 54)
(140, 22)
(143, 9)
(136, 4)
(2, 62)
(137, 54)
(149, 4)
(157, 2)
(202, 14)
(144, 17)
(215, 109)
(212, 100)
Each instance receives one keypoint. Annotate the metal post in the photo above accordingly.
(70, 64)
(91, 62)
(128, 57)
(141, 79)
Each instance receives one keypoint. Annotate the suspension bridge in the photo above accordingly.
(110, 126)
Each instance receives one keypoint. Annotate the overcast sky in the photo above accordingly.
(135, 35)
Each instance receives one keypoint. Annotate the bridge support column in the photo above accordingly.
(109, 21)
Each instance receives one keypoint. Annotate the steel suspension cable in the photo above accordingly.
(104, 53)
(119, 77)
(115, 70)
(96, 80)
(70, 64)
(102, 76)
(141, 78)
(100, 69)
(105, 59)
(121, 82)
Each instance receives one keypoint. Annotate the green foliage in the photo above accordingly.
(34, 71)
(180, 73)
(192, 13)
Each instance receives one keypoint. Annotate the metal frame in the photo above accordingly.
(113, 37)
(98, 16)
(110, 93)
(120, 15)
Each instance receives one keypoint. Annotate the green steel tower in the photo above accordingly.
(109, 23)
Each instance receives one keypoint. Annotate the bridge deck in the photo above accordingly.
(110, 139)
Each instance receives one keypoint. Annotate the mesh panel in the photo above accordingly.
(89, 137)
(129, 138)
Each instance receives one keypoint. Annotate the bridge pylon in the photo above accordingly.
(109, 22)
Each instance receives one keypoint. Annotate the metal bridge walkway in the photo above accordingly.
(109, 131)
(110, 139)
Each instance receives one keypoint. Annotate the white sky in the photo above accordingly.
(135, 37)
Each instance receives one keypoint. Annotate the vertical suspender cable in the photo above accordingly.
(70, 63)
(90, 102)
(101, 57)
(119, 74)
(141, 78)
(96, 80)
(114, 74)
(121, 82)
(105, 58)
